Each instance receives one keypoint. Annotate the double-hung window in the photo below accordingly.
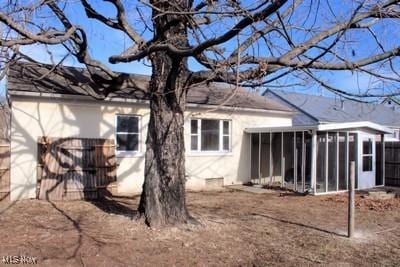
(210, 135)
(127, 134)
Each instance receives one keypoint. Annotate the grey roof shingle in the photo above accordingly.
(28, 77)
(330, 110)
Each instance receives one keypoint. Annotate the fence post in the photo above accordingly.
(351, 200)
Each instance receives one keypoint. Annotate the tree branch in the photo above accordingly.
(122, 23)
(186, 52)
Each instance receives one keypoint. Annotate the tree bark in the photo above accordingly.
(163, 200)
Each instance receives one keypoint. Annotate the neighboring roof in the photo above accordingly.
(334, 110)
(300, 118)
(33, 78)
(323, 127)
(392, 99)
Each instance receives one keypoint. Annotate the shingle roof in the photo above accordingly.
(29, 77)
(335, 110)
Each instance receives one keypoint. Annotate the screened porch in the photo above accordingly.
(317, 159)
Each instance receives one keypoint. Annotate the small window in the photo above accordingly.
(226, 136)
(367, 157)
(194, 135)
(367, 147)
(367, 164)
(210, 135)
(127, 133)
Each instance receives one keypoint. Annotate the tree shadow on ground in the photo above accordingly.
(117, 205)
(298, 224)
(108, 205)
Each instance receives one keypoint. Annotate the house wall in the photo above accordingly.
(35, 117)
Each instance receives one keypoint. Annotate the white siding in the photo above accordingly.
(32, 118)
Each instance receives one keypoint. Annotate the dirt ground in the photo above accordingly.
(237, 229)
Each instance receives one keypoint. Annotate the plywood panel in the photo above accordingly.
(75, 168)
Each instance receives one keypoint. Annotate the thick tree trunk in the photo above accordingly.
(163, 197)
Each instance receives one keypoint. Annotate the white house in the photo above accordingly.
(54, 105)
(248, 138)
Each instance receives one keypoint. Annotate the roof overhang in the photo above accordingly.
(119, 100)
(324, 127)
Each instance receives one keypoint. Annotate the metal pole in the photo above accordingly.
(347, 161)
(294, 163)
(383, 159)
(303, 161)
(351, 200)
(271, 162)
(259, 158)
(314, 161)
(282, 163)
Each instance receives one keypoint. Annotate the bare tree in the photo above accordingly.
(246, 43)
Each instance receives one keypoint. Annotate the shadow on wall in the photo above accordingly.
(32, 120)
(75, 168)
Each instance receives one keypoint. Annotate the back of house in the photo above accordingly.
(67, 145)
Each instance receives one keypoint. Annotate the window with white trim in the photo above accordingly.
(367, 155)
(209, 135)
(127, 133)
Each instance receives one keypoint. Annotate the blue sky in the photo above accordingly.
(105, 42)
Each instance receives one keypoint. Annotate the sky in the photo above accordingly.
(105, 42)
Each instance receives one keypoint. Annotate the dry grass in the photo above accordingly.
(238, 228)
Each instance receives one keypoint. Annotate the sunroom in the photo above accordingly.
(316, 159)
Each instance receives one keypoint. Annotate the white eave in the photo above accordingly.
(323, 127)
(83, 98)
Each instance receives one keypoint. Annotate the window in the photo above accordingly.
(127, 134)
(396, 134)
(210, 135)
(226, 136)
(367, 155)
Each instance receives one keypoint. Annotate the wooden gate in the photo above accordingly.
(4, 172)
(392, 163)
(75, 168)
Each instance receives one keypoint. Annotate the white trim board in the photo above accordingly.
(88, 99)
(322, 127)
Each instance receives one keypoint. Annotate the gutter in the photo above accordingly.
(119, 100)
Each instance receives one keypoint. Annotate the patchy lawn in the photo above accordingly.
(238, 228)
